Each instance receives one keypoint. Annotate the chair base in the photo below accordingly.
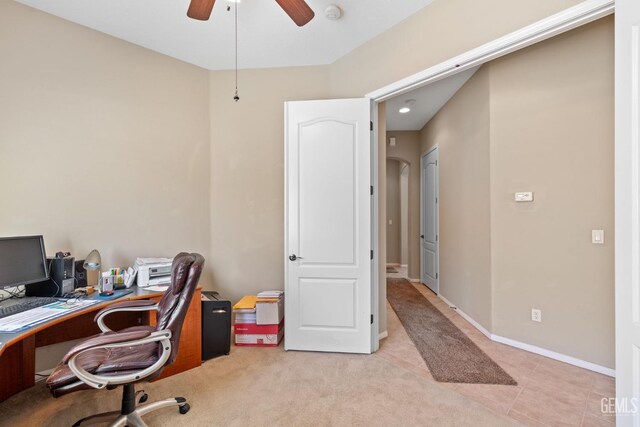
(131, 414)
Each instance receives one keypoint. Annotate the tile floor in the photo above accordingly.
(549, 393)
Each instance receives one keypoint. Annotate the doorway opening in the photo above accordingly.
(398, 217)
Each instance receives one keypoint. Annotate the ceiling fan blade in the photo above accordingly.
(298, 10)
(200, 9)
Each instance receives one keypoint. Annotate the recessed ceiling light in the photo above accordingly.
(407, 106)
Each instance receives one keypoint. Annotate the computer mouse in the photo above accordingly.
(106, 293)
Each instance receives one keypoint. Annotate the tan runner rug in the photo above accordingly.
(450, 354)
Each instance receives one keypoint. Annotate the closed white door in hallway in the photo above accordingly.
(429, 220)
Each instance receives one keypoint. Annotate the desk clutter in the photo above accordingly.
(259, 319)
(26, 319)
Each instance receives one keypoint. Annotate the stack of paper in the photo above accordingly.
(259, 320)
(271, 294)
(250, 310)
(245, 310)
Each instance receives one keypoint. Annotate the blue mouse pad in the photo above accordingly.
(116, 294)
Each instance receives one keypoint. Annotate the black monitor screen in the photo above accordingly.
(22, 261)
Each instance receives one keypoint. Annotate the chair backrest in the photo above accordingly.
(173, 307)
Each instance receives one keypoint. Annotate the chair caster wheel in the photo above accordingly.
(144, 398)
(184, 408)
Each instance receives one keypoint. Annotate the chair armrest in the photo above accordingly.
(103, 340)
(135, 305)
(100, 381)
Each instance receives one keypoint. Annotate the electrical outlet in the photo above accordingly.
(536, 315)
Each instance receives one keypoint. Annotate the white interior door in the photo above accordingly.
(429, 220)
(328, 225)
(627, 170)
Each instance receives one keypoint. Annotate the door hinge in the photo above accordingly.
(371, 126)
(371, 254)
(436, 275)
(372, 319)
(371, 190)
(436, 237)
(436, 163)
(436, 200)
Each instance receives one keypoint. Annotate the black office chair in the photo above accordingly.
(134, 354)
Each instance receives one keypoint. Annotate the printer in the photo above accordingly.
(153, 271)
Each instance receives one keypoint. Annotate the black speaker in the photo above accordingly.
(61, 279)
(216, 325)
(81, 274)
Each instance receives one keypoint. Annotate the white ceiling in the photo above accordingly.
(267, 36)
(429, 100)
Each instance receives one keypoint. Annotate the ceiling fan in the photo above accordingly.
(298, 10)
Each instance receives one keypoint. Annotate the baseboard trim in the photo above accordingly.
(393, 264)
(383, 335)
(404, 266)
(414, 280)
(468, 318)
(532, 348)
(557, 356)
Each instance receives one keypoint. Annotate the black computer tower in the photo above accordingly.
(61, 279)
(216, 325)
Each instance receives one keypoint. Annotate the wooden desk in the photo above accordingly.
(18, 350)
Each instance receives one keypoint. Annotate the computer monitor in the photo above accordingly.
(22, 261)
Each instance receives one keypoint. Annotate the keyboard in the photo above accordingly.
(28, 304)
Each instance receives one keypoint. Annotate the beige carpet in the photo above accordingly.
(271, 387)
(448, 352)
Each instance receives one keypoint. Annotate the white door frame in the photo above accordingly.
(422, 214)
(375, 218)
(573, 17)
(576, 16)
(627, 212)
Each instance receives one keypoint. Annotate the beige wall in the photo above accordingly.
(552, 133)
(393, 211)
(216, 167)
(247, 174)
(103, 144)
(537, 120)
(461, 132)
(407, 149)
(243, 204)
(438, 32)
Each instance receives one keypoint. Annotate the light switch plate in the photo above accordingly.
(597, 237)
(526, 196)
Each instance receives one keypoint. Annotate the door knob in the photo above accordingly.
(294, 257)
(422, 236)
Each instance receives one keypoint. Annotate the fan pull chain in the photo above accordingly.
(236, 97)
